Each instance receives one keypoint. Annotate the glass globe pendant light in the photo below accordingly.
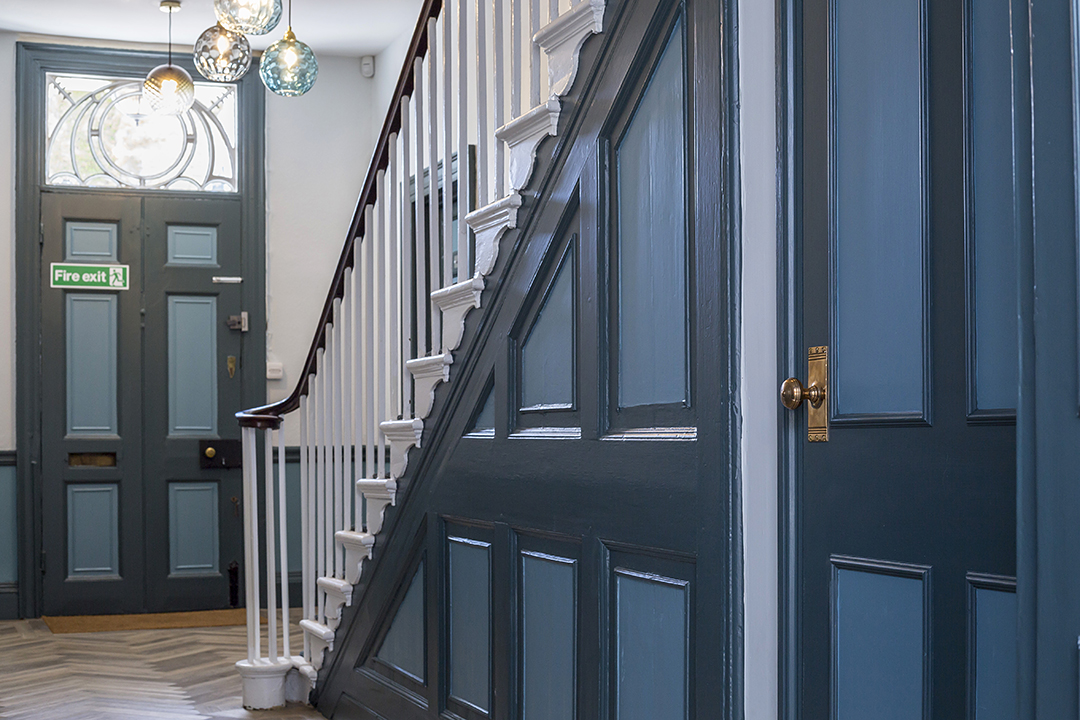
(250, 17)
(168, 88)
(288, 67)
(222, 55)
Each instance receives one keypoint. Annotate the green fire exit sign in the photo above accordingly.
(89, 277)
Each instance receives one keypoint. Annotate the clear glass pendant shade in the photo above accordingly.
(288, 67)
(168, 90)
(250, 17)
(222, 55)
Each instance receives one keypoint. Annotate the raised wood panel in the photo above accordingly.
(881, 642)
(548, 636)
(93, 530)
(991, 245)
(878, 203)
(651, 245)
(992, 661)
(652, 646)
(87, 242)
(404, 646)
(193, 377)
(193, 528)
(191, 245)
(548, 370)
(470, 622)
(91, 325)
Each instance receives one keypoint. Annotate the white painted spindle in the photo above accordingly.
(271, 569)
(420, 234)
(283, 542)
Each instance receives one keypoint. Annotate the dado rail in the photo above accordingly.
(479, 91)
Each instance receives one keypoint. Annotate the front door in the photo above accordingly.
(141, 375)
(905, 532)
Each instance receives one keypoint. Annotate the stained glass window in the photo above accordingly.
(99, 133)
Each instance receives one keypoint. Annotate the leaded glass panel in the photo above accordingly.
(99, 133)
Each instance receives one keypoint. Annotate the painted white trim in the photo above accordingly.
(489, 223)
(455, 302)
(563, 38)
(758, 382)
(402, 434)
(427, 373)
(523, 136)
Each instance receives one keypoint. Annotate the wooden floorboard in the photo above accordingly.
(180, 674)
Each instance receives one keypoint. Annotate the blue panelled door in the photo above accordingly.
(905, 531)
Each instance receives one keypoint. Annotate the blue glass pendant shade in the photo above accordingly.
(288, 67)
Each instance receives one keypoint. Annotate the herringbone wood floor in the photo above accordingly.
(138, 675)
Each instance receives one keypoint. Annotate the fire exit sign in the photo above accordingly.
(89, 277)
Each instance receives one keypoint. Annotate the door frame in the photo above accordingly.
(789, 350)
(32, 60)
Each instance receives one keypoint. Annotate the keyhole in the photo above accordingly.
(236, 506)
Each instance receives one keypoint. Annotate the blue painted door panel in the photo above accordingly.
(905, 248)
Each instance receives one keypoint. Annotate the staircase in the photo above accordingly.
(408, 276)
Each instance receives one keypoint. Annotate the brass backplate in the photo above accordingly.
(817, 373)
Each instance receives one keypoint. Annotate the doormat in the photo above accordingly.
(146, 621)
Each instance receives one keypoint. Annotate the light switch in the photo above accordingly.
(275, 371)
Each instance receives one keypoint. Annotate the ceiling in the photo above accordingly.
(333, 27)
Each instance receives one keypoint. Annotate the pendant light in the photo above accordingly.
(250, 17)
(222, 55)
(288, 67)
(168, 88)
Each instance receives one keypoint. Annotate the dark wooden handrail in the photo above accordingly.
(270, 415)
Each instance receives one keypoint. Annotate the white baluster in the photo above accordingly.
(251, 542)
(320, 474)
(418, 208)
(371, 381)
(408, 340)
(307, 582)
(534, 54)
(360, 287)
(482, 132)
(271, 570)
(499, 96)
(517, 77)
(348, 336)
(393, 344)
(447, 158)
(464, 189)
(283, 541)
(432, 234)
(378, 262)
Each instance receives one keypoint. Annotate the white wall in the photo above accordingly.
(7, 242)
(760, 403)
(317, 152)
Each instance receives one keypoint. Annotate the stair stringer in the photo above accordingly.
(408, 519)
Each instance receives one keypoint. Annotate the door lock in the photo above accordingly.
(815, 393)
(238, 322)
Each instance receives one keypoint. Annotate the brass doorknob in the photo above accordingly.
(792, 394)
(210, 452)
